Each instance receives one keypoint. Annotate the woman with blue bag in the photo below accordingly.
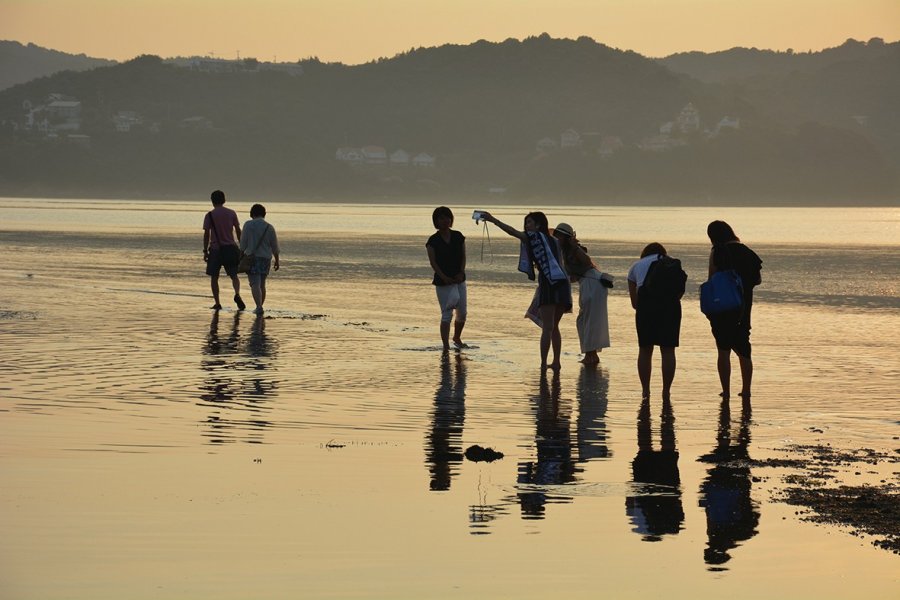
(735, 263)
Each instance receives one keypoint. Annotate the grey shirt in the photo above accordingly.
(254, 233)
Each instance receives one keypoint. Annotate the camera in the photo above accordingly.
(478, 216)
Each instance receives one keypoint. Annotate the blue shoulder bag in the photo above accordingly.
(723, 292)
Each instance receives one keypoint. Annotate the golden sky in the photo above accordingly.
(355, 31)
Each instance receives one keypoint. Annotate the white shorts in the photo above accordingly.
(452, 297)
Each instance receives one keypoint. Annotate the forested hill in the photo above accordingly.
(20, 63)
(568, 120)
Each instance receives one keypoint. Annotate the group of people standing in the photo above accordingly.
(225, 243)
(557, 259)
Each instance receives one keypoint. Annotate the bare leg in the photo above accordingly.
(644, 367)
(258, 297)
(457, 331)
(724, 365)
(214, 284)
(746, 375)
(548, 321)
(557, 339)
(668, 370)
(236, 284)
(262, 291)
(445, 334)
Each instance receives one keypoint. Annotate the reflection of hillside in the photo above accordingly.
(732, 516)
(238, 385)
(656, 510)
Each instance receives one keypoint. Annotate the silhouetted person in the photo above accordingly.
(658, 510)
(553, 442)
(261, 242)
(540, 251)
(443, 445)
(591, 430)
(656, 293)
(731, 329)
(447, 256)
(221, 234)
(731, 514)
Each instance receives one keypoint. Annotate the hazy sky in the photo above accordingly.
(355, 31)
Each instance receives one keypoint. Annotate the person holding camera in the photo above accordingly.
(554, 294)
(447, 255)
(593, 290)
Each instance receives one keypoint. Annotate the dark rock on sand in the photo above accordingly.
(478, 454)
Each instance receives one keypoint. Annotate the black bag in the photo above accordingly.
(665, 280)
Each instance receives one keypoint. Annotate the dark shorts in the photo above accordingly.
(557, 293)
(226, 257)
(731, 333)
(658, 324)
(259, 270)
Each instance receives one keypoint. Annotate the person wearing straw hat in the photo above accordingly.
(593, 289)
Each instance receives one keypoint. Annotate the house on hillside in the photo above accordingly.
(125, 120)
(688, 119)
(569, 139)
(350, 155)
(423, 160)
(727, 123)
(374, 155)
(399, 158)
(609, 145)
(196, 123)
(546, 145)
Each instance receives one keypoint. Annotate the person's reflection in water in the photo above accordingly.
(226, 390)
(657, 510)
(218, 387)
(553, 441)
(591, 430)
(731, 514)
(443, 445)
(259, 386)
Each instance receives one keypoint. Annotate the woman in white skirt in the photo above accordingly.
(593, 317)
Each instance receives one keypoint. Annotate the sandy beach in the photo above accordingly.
(152, 448)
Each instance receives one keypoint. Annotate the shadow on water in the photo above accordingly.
(656, 510)
(443, 444)
(238, 385)
(732, 516)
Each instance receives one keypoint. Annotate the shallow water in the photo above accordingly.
(152, 448)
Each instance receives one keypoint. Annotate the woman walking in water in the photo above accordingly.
(554, 294)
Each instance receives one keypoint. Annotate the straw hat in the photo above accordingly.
(564, 229)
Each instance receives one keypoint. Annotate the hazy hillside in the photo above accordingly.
(20, 63)
(556, 119)
(746, 65)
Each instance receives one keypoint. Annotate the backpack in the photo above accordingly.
(722, 293)
(665, 279)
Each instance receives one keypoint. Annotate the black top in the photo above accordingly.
(448, 256)
(737, 256)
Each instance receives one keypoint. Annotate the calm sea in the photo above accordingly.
(153, 448)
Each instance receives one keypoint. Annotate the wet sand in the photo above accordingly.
(155, 449)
